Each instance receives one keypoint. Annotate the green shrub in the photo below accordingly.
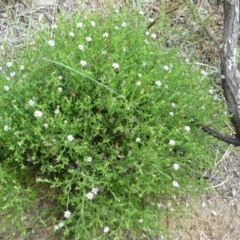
(109, 118)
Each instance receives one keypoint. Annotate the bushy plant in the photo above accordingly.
(109, 118)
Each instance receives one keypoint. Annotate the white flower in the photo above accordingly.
(60, 77)
(89, 159)
(187, 128)
(138, 83)
(175, 184)
(83, 63)
(81, 47)
(31, 102)
(37, 114)
(61, 224)
(70, 138)
(95, 190)
(115, 65)
(9, 64)
(116, 27)
(172, 142)
(144, 64)
(171, 114)
(79, 25)
(204, 73)
(21, 67)
(166, 67)
(45, 125)
(175, 166)
(211, 91)
(141, 12)
(147, 33)
(173, 105)
(106, 229)
(67, 214)
(187, 60)
(6, 128)
(88, 39)
(105, 35)
(12, 74)
(54, 26)
(59, 89)
(93, 23)
(51, 43)
(56, 227)
(158, 83)
(57, 111)
(6, 88)
(72, 34)
(140, 220)
(138, 139)
(153, 35)
(139, 75)
(124, 24)
(204, 204)
(104, 52)
(151, 20)
(90, 195)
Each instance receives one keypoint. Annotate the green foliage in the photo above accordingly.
(105, 115)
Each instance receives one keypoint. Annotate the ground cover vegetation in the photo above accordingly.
(101, 112)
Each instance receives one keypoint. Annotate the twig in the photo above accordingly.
(228, 229)
(204, 235)
(220, 184)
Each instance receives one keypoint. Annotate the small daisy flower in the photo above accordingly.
(89, 159)
(139, 75)
(173, 105)
(153, 35)
(70, 138)
(83, 63)
(51, 43)
(95, 190)
(211, 91)
(151, 20)
(166, 68)
(204, 73)
(79, 25)
(187, 128)
(124, 24)
(138, 83)
(6, 128)
(72, 34)
(144, 64)
(105, 35)
(90, 195)
(175, 166)
(88, 39)
(56, 227)
(104, 52)
(138, 140)
(147, 33)
(9, 64)
(171, 114)
(60, 77)
(61, 224)
(172, 142)
(81, 47)
(45, 125)
(12, 74)
(158, 83)
(67, 214)
(59, 89)
(106, 229)
(141, 12)
(6, 88)
(115, 65)
(31, 102)
(116, 27)
(37, 114)
(21, 67)
(93, 24)
(56, 112)
(140, 220)
(175, 184)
